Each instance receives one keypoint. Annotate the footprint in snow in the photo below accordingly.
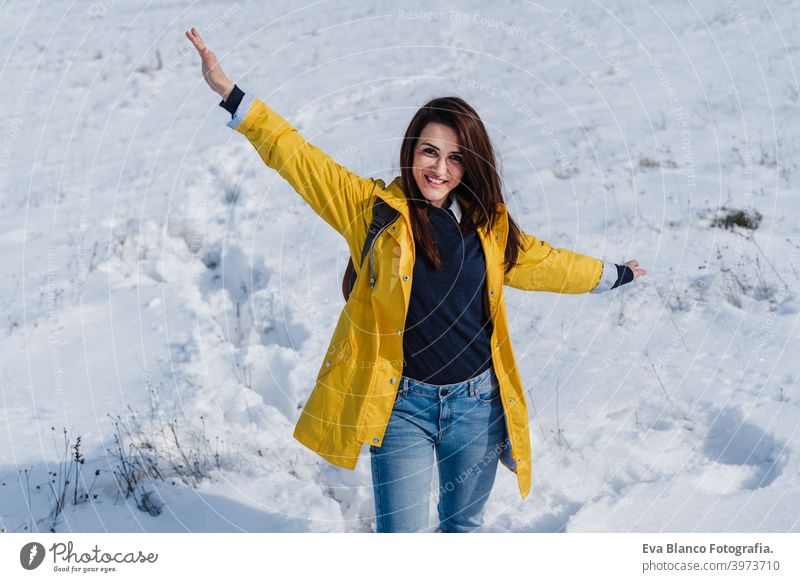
(736, 443)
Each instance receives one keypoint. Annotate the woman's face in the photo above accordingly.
(438, 162)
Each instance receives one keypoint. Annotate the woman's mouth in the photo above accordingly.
(435, 182)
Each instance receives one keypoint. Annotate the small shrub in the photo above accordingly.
(136, 463)
(650, 164)
(163, 451)
(729, 217)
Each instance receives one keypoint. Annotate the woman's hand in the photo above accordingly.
(212, 71)
(636, 272)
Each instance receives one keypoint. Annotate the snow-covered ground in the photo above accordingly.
(162, 302)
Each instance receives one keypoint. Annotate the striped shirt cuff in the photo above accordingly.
(241, 111)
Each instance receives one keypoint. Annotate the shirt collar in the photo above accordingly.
(455, 208)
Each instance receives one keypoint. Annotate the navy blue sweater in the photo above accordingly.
(446, 332)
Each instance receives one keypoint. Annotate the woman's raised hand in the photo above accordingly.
(212, 71)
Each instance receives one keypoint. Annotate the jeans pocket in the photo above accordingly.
(487, 392)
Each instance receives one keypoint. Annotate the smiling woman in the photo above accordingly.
(420, 366)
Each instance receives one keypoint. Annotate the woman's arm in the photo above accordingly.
(542, 267)
(337, 195)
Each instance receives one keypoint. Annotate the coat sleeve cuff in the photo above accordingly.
(624, 275)
(232, 102)
(608, 278)
(246, 102)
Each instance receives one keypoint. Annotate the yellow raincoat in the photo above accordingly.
(358, 378)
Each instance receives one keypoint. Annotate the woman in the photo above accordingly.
(424, 370)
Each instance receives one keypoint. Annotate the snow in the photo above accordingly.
(157, 273)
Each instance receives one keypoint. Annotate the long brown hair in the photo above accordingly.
(479, 190)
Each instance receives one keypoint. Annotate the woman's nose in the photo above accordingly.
(441, 166)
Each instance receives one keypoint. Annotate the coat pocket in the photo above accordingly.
(340, 352)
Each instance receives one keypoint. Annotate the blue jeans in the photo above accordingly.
(464, 425)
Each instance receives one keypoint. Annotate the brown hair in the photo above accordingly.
(479, 190)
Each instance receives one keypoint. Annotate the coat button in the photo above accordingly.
(393, 228)
(391, 380)
(327, 363)
(497, 344)
(491, 291)
(376, 440)
(405, 277)
(399, 331)
(511, 401)
(497, 237)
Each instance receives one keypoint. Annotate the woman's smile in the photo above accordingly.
(435, 182)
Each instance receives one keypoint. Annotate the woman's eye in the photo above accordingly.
(430, 151)
(457, 159)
